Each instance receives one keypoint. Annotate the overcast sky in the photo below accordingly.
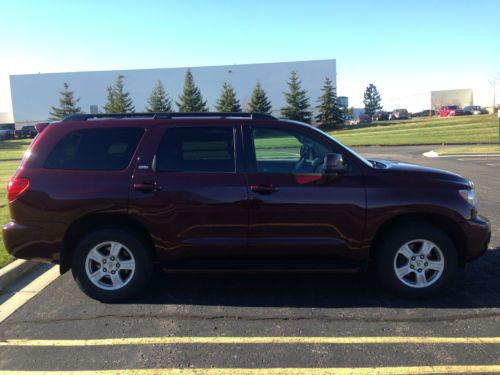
(405, 48)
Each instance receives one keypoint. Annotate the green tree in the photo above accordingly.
(159, 100)
(191, 99)
(297, 101)
(68, 105)
(372, 100)
(119, 101)
(109, 107)
(259, 103)
(227, 101)
(329, 111)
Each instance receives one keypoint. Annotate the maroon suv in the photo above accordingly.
(111, 195)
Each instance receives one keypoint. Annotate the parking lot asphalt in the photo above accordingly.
(287, 323)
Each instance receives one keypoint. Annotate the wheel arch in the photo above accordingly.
(88, 223)
(444, 223)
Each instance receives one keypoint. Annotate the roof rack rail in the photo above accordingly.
(169, 115)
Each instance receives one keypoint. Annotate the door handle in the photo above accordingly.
(147, 186)
(264, 189)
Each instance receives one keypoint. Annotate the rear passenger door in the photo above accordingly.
(190, 192)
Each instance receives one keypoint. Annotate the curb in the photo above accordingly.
(431, 154)
(15, 270)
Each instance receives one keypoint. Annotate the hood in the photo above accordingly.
(411, 171)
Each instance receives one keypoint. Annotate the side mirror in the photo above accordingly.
(334, 164)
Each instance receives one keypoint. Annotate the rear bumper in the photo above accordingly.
(41, 242)
(478, 235)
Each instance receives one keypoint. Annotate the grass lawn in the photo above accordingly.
(468, 149)
(6, 171)
(14, 149)
(453, 130)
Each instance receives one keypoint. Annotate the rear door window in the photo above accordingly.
(196, 149)
(95, 149)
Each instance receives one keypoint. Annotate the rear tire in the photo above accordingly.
(416, 261)
(112, 264)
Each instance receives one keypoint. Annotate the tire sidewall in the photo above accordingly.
(134, 243)
(397, 238)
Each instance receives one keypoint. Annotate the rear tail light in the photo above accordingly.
(17, 186)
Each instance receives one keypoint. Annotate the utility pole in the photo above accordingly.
(493, 83)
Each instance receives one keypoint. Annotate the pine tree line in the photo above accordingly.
(297, 107)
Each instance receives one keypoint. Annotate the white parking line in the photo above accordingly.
(470, 155)
(476, 158)
(27, 293)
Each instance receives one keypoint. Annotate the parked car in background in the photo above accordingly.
(123, 192)
(364, 119)
(399, 114)
(450, 110)
(380, 116)
(6, 134)
(28, 131)
(425, 113)
(476, 110)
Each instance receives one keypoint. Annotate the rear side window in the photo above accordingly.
(95, 149)
(196, 149)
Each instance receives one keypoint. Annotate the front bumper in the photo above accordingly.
(478, 235)
(41, 242)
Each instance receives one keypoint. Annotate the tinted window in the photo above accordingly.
(95, 149)
(287, 151)
(194, 149)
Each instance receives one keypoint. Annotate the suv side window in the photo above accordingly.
(287, 151)
(196, 149)
(95, 149)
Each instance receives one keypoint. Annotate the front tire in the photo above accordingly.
(416, 261)
(112, 265)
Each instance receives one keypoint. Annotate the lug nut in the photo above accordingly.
(105, 269)
(112, 258)
(104, 261)
(113, 272)
(420, 270)
(412, 266)
(117, 265)
(413, 258)
(426, 264)
(421, 257)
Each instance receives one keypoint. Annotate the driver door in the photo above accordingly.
(296, 210)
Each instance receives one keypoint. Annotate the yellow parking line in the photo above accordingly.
(281, 371)
(254, 340)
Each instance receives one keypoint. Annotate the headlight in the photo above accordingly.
(469, 195)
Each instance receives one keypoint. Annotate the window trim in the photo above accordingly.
(237, 146)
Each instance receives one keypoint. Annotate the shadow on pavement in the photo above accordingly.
(478, 286)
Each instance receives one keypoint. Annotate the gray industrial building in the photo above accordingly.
(33, 95)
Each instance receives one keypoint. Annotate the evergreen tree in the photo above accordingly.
(191, 99)
(329, 111)
(68, 105)
(159, 100)
(372, 100)
(119, 101)
(227, 101)
(297, 101)
(259, 103)
(109, 107)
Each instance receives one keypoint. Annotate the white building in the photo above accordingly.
(33, 95)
